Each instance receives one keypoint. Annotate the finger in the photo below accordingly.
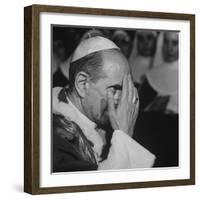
(137, 102)
(130, 89)
(117, 97)
(134, 94)
(124, 88)
(111, 104)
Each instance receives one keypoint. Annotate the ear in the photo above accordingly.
(82, 83)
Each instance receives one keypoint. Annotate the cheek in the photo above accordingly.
(103, 105)
(97, 103)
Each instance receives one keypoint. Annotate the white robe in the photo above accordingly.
(164, 80)
(139, 67)
(124, 153)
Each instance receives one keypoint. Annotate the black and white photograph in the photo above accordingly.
(114, 98)
(109, 99)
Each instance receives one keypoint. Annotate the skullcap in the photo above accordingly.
(92, 33)
(91, 45)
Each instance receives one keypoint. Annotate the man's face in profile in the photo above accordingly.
(115, 66)
(170, 47)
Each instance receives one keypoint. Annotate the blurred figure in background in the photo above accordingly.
(123, 40)
(107, 33)
(159, 103)
(161, 84)
(64, 66)
(59, 54)
(68, 40)
(142, 55)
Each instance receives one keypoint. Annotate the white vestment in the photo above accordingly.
(124, 153)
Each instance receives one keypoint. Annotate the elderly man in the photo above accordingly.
(93, 119)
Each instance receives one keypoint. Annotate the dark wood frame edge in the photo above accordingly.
(31, 100)
(32, 107)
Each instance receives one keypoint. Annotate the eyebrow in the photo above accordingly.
(116, 86)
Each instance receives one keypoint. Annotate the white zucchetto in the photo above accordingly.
(91, 45)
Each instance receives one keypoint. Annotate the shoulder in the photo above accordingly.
(70, 150)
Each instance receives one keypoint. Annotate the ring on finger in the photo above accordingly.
(135, 100)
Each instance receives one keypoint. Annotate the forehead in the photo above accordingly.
(171, 36)
(115, 66)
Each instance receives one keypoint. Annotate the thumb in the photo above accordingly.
(111, 107)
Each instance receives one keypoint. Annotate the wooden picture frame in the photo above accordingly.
(32, 106)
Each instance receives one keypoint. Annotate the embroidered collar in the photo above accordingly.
(70, 112)
(90, 124)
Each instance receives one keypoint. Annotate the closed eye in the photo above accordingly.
(116, 87)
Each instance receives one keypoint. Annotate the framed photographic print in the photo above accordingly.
(109, 99)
